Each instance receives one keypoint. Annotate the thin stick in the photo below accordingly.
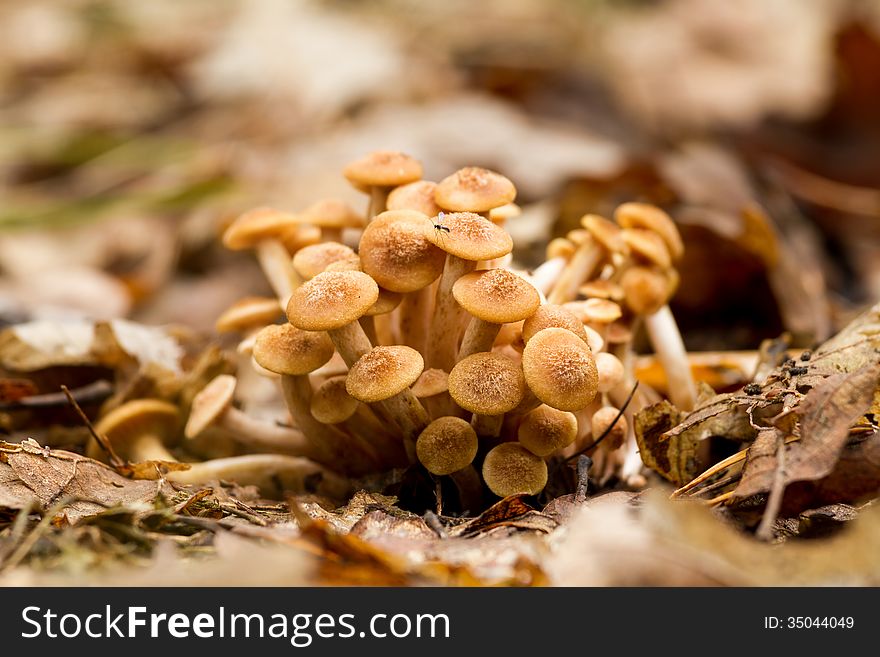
(595, 443)
(115, 461)
(94, 392)
(774, 499)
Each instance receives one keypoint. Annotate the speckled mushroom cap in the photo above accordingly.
(300, 236)
(331, 402)
(351, 263)
(431, 382)
(645, 290)
(504, 212)
(310, 261)
(447, 445)
(511, 469)
(650, 217)
(496, 295)
(135, 418)
(545, 430)
(595, 311)
(601, 421)
(332, 213)
(487, 383)
(248, 313)
(396, 251)
(386, 302)
(418, 196)
(286, 349)
(257, 225)
(384, 372)
(209, 404)
(548, 315)
(469, 236)
(383, 169)
(605, 232)
(560, 369)
(610, 369)
(647, 246)
(474, 189)
(602, 289)
(331, 300)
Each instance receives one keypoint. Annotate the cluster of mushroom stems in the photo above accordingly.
(404, 337)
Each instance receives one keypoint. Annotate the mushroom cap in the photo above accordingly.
(384, 372)
(418, 196)
(504, 212)
(332, 213)
(383, 169)
(209, 404)
(595, 311)
(617, 333)
(610, 369)
(257, 225)
(131, 420)
(299, 236)
(487, 383)
(511, 469)
(469, 236)
(600, 422)
(496, 295)
(601, 289)
(550, 314)
(560, 369)
(386, 302)
(447, 445)
(396, 251)
(248, 313)
(560, 247)
(647, 246)
(645, 215)
(431, 382)
(474, 189)
(331, 300)
(579, 237)
(545, 429)
(286, 349)
(311, 260)
(331, 403)
(645, 289)
(605, 232)
(351, 263)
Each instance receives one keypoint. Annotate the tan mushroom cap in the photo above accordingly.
(550, 315)
(647, 246)
(418, 196)
(579, 236)
(496, 295)
(618, 333)
(248, 313)
(310, 261)
(331, 403)
(257, 225)
(397, 252)
(545, 430)
(560, 247)
(504, 212)
(351, 263)
(331, 300)
(511, 469)
(300, 236)
(447, 445)
(560, 369)
(611, 371)
(383, 169)
(384, 372)
(135, 418)
(431, 382)
(605, 232)
(386, 302)
(286, 349)
(209, 404)
(474, 189)
(332, 213)
(650, 217)
(602, 289)
(645, 289)
(469, 236)
(602, 419)
(487, 383)
(599, 311)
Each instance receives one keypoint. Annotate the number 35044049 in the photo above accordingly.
(809, 622)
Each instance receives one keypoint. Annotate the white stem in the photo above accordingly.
(264, 435)
(276, 265)
(669, 347)
(544, 276)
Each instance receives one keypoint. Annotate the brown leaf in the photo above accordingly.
(761, 464)
(673, 456)
(512, 511)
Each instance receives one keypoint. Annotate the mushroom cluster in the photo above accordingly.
(406, 338)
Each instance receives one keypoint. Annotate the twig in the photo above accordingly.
(595, 443)
(115, 461)
(774, 499)
(93, 392)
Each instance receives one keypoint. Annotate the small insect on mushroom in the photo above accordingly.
(439, 228)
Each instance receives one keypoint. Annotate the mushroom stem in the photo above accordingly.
(414, 313)
(333, 234)
(368, 324)
(369, 429)
(546, 274)
(470, 488)
(479, 336)
(378, 201)
(487, 426)
(267, 436)
(149, 447)
(443, 342)
(581, 265)
(275, 262)
(351, 342)
(409, 414)
(268, 472)
(669, 347)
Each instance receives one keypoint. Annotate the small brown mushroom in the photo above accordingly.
(333, 302)
(418, 196)
(447, 445)
(598, 239)
(560, 369)
(248, 314)
(312, 260)
(332, 216)
(488, 385)
(545, 430)
(645, 215)
(139, 430)
(611, 371)
(511, 469)
(474, 189)
(380, 171)
(430, 389)
(550, 315)
(601, 421)
(493, 297)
